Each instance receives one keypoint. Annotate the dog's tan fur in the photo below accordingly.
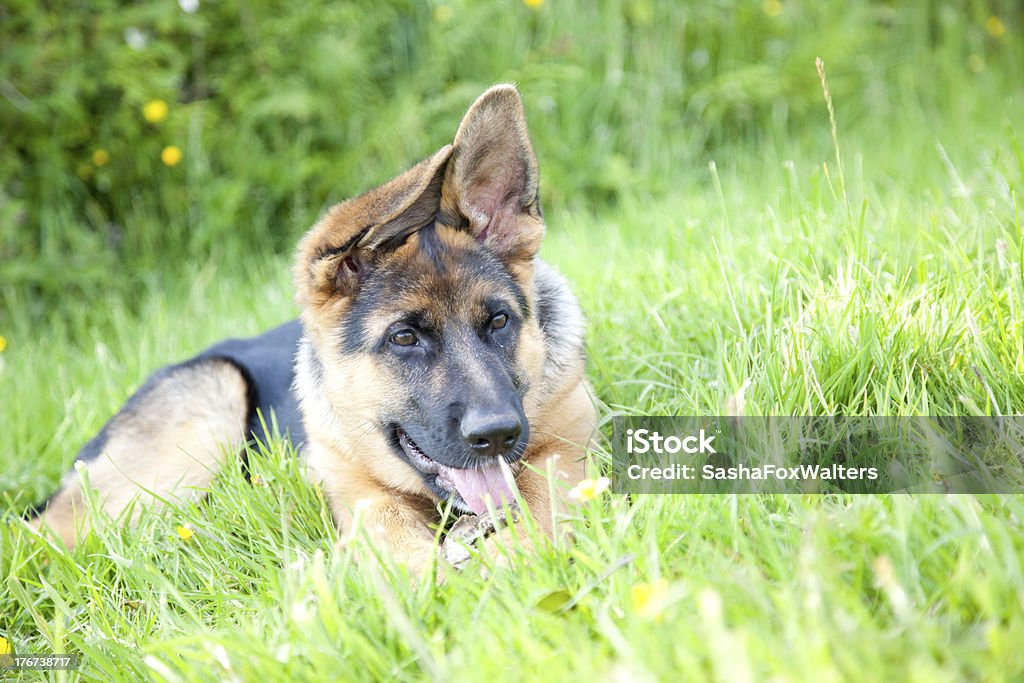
(354, 460)
(479, 193)
(171, 443)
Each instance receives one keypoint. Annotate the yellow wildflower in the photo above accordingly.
(534, 4)
(155, 111)
(100, 157)
(649, 599)
(257, 480)
(772, 8)
(3, 343)
(185, 532)
(588, 489)
(995, 27)
(171, 155)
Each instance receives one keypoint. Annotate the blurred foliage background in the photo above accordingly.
(138, 134)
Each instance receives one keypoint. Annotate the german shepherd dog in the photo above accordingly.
(433, 349)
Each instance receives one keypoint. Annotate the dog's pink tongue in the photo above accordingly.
(475, 485)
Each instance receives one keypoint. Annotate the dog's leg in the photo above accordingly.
(169, 439)
(402, 530)
(360, 505)
(560, 450)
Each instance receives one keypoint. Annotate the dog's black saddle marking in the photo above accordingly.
(266, 362)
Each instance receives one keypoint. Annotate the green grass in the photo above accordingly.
(757, 274)
(914, 309)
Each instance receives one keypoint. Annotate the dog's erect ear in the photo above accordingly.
(491, 179)
(339, 251)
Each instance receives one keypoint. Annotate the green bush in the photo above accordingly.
(277, 109)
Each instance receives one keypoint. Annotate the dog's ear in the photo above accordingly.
(338, 253)
(490, 184)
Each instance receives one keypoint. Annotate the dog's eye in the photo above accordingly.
(404, 338)
(499, 321)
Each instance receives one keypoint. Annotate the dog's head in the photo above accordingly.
(418, 302)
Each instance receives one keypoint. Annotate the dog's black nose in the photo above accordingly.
(489, 432)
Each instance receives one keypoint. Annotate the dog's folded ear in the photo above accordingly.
(490, 184)
(486, 183)
(339, 251)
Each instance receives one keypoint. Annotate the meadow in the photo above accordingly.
(731, 250)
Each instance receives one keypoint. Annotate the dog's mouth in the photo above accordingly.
(472, 486)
